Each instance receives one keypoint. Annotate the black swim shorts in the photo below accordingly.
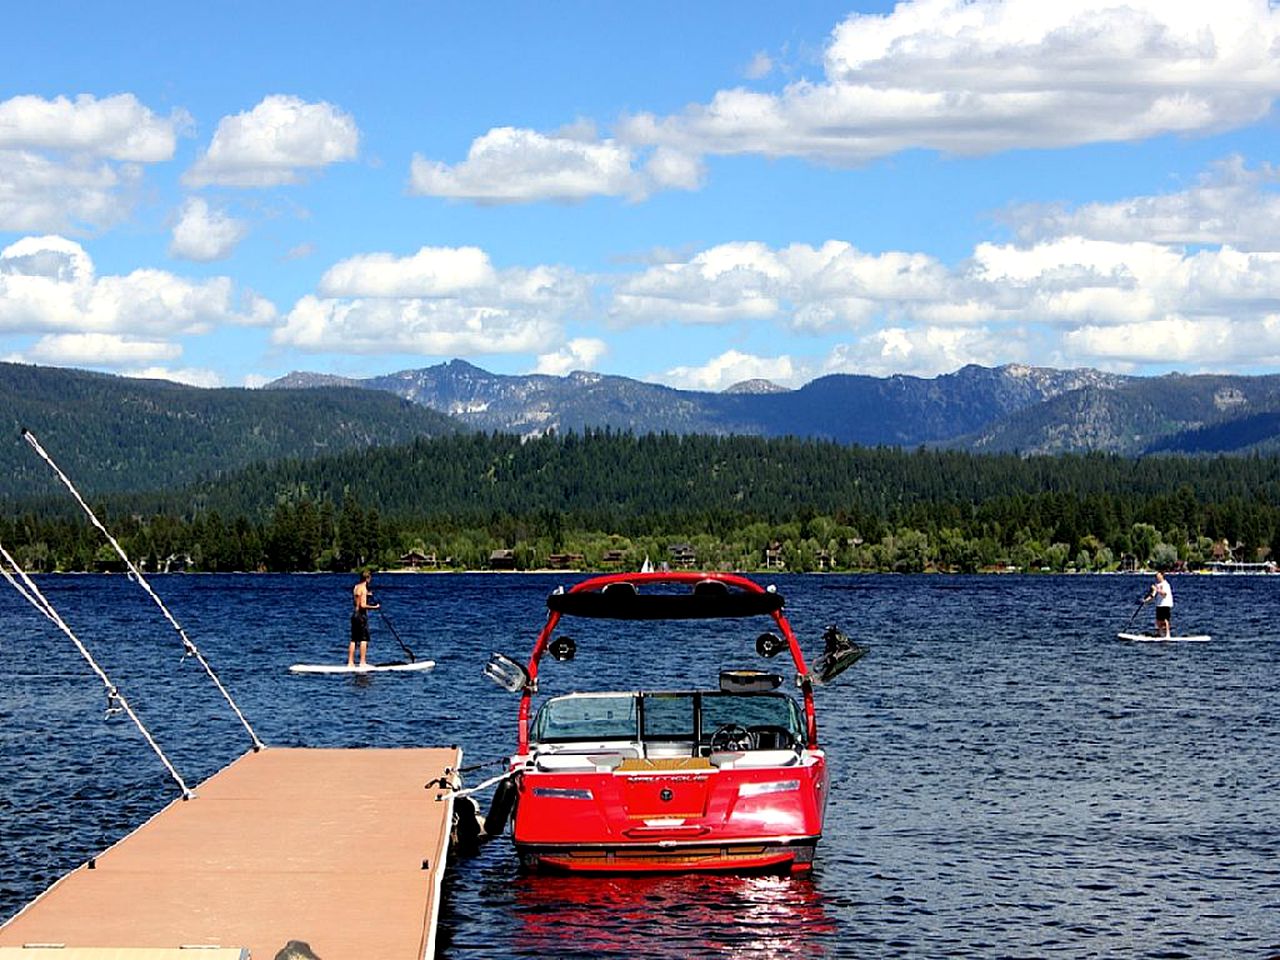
(360, 627)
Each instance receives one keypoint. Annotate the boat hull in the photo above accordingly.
(738, 859)
(693, 817)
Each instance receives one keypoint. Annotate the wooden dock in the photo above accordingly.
(342, 849)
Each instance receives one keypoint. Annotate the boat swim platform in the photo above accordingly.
(342, 849)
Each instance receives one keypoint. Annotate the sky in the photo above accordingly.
(688, 193)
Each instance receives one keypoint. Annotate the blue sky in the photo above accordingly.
(688, 193)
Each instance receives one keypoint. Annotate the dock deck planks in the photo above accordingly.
(342, 849)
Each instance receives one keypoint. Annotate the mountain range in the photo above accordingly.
(1032, 410)
(120, 434)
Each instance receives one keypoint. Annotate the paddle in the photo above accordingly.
(408, 652)
(1141, 603)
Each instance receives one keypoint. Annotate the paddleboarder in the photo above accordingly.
(1162, 593)
(360, 618)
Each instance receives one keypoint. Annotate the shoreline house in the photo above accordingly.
(416, 560)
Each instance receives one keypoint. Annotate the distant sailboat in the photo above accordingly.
(646, 567)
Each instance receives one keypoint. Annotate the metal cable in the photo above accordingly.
(188, 646)
(115, 699)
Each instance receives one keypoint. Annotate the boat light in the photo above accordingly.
(767, 787)
(562, 793)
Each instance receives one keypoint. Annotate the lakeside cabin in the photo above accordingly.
(565, 561)
(416, 560)
(502, 560)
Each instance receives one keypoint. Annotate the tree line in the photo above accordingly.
(603, 498)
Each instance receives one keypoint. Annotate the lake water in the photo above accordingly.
(1008, 779)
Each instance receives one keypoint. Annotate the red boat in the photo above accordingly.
(730, 779)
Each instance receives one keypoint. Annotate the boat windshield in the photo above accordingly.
(587, 717)
(664, 716)
(750, 710)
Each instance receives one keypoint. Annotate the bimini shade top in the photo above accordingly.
(623, 600)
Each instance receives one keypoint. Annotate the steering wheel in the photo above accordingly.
(731, 736)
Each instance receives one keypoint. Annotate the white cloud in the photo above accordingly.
(508, 165)
(38, 194)
(203, 234)
(733, 281)
(429, 328)
(275, 143)
(979, 76)
(761, 65)
(812, 288)
(117, 128)
(581, 353)
(966, 77)
(1231, 204)
(669, 169)
(1193, 343)
(732, 367)
(925, 351)
(48, 285)
(106, 349)
(1056, 296)
(75, 165)
(431, 272)
(192, 376)
(437, 302)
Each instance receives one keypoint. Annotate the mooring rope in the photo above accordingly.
(488, 783)
(116, 700)
(188, 646)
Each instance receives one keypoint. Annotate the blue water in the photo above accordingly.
(1008, 779)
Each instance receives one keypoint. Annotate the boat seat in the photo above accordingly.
(769, 737)
(600, 761)
(744, 759)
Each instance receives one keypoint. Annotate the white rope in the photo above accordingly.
(115, 699)
(487, 784)
(190, 648)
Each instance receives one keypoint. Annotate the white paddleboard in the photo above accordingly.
(367, 668)
(1152, 638)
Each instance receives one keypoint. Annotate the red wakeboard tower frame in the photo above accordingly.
(755, 600)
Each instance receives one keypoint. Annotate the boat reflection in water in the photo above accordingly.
(674, 916)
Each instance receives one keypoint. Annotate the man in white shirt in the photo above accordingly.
(1162, 593)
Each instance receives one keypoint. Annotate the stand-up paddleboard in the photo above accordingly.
(1152, 638)
(330, 668)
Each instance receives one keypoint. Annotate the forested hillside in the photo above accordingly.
(739, 501)
(121, 434)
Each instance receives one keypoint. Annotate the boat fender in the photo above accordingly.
(468, 828)
(501, 807)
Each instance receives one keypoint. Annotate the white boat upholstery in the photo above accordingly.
(599, 761)
(744, 759)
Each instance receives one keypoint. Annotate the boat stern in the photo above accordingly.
(729, 812)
